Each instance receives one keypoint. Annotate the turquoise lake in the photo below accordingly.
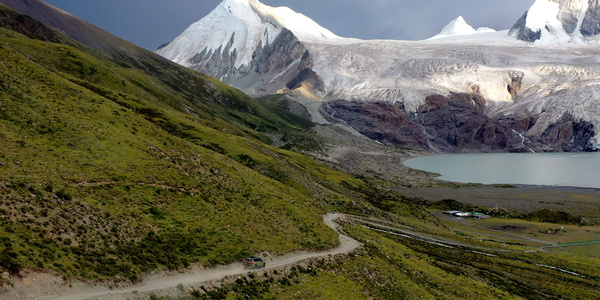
(554, 169)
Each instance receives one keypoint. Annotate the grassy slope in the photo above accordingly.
(392, 267)
(96, 158)
(439, 272)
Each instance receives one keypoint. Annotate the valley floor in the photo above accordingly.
(518, 199)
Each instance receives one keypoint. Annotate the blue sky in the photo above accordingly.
(149, 23)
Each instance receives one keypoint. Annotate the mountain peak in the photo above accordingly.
(239, 27)
(251, 12)
(254, 12)
(559, 21)
(458, 26)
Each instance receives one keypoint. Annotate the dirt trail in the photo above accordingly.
(163, 282)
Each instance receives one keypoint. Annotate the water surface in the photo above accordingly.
(557, 169)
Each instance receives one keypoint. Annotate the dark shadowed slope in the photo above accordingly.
(70, 25)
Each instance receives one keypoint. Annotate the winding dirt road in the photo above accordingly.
(163, 282)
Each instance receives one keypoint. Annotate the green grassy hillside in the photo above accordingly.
(106, 170)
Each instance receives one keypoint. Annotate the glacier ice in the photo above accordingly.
(558, 74)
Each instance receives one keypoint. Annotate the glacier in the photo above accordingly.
(264, 50)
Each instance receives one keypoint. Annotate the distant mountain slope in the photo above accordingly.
(250, 25)
(556, 87)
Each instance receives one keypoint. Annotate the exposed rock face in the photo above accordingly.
(279, 55)
(458, 123)
(523, 32)
(569, 13)
(163, 45)
(252, 46)
(568, 135)
(516, 82)
(380, 121)
(591, 23)
(285, 54)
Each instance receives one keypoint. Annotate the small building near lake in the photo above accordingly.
(462, 214)
(452, 212)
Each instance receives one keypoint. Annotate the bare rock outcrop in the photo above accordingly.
(457, 123)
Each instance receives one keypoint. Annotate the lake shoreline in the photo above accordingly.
(541, 169)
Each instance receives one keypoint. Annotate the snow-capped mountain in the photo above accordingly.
(249, 24)
(553, 21)
(456, 27)
(554, 90)
(248, 45)
(459, 27)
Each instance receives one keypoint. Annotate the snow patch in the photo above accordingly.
(485, 29)
(541, 14)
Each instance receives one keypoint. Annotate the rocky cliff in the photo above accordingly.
(457, 123)
(283, 64)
